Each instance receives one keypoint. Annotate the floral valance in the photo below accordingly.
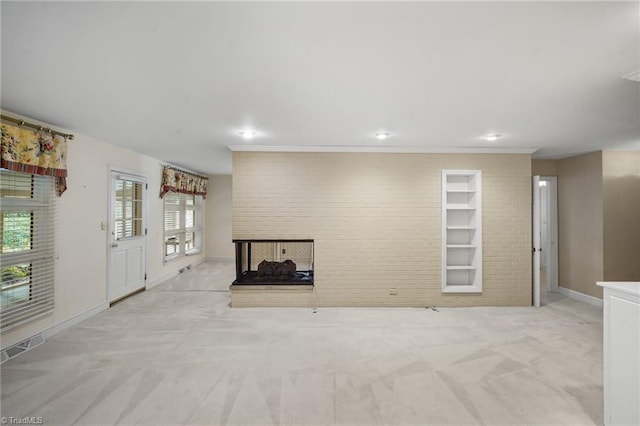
(180, 181)
(35, 152)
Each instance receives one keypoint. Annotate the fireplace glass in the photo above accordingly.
(274, 262)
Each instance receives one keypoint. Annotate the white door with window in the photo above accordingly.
(127, 235)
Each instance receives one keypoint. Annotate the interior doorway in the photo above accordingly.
(545, 238)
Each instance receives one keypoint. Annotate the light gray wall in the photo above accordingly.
(218, 243)
(580, 218)
(621, 186)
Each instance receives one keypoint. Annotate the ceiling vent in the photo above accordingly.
(633, 76)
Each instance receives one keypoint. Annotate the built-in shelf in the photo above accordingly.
(461, 231)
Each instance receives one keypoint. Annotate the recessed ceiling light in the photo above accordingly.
(247, 134)
(382, 135)
(492, 137)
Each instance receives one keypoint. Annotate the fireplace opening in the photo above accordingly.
(274, 262)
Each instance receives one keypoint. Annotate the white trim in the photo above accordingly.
(173, 274)
(131, 172)
(220, 259)
(381, 149)
(66, 324)
(163, 278)
(572, 294)
(95, 310)
(535, 239)
(76, 319)
(631, 288)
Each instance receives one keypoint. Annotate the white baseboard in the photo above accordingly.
(76, 319)
(199, 261)
(580, 296)
(160, 280)
(88, 313)
(220, 259)
(27, 344)
(166, 277)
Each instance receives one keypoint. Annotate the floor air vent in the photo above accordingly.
(21, 347)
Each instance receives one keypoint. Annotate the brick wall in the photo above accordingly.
(376, 222)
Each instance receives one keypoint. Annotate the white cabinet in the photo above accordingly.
(461, 231)
(621, 353)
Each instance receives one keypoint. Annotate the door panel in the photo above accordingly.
(134, 260)
(119, 259)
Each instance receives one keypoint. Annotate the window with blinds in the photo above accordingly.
(182, 225)
(28, 247)
(128, 209)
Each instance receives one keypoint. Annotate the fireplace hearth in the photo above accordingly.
(274, 262)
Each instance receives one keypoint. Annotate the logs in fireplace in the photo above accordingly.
(274, 262)
(276, 270)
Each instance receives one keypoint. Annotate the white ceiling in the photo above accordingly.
(177, 81)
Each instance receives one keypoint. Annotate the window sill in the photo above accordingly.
(172, 259)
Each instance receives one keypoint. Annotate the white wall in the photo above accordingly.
(81, 267)
(218, 218)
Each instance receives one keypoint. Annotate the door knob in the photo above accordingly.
(114, 245)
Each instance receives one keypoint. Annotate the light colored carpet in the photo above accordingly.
(177, 354)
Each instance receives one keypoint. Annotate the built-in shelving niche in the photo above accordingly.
(461, 231)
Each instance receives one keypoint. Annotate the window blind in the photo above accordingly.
(27, 253)
(128, 209)
(182, 225)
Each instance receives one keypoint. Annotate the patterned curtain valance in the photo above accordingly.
(180, 181)
(35, 152)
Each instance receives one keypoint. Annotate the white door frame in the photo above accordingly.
(115, 170)
(551, 246)
(535, 208)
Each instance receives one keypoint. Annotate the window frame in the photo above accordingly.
(177, 202)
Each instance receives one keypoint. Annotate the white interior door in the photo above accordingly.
(536, 216)
(550, 231)
(544, 228)
(127, 236)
